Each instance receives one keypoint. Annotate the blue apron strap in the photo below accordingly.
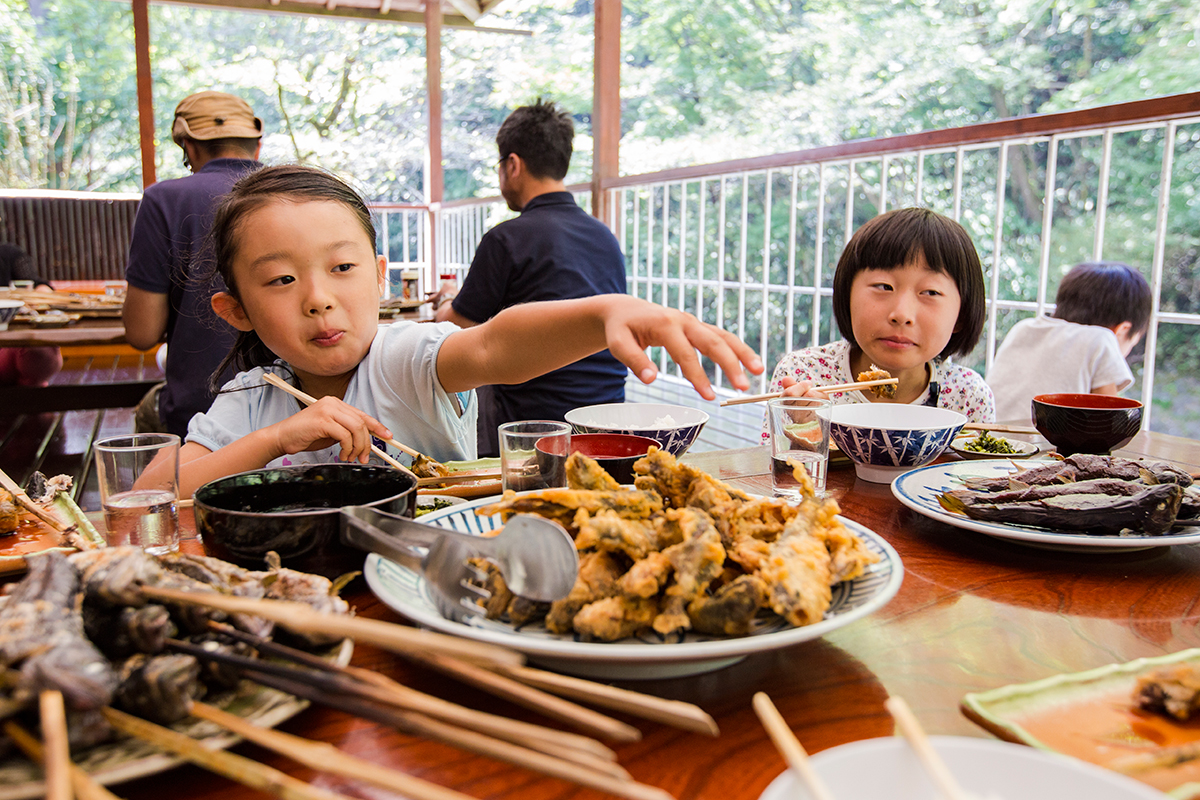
(932, 399)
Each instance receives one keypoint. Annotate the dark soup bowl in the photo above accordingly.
(1086, 423)
(295, 512)
(615, 452)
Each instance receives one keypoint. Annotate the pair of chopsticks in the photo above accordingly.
(793, 752)
(837, 387)
(308, 399)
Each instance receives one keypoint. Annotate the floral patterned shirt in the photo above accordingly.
(960, 389)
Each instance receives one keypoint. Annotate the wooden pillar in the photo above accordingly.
(141, 46)
(606, 103)
(434, 183)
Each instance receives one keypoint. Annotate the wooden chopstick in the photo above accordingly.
(789, 746)
(56, 758)
(994, 428)
(669, 712)
(308, 399)
(324, 757)
(837, 387)
(42, 513)
(239, 768)
(584, 719)
(482, 475)
(304, 619)
(921, 745)
(86, 787)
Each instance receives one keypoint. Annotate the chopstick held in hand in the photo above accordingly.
(789, 746)
(837, 387)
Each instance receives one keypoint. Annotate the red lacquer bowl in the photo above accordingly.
(616, 452)
(1086, 423)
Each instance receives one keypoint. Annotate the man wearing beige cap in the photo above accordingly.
(170, 258)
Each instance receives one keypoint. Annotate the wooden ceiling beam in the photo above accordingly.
(340, 11)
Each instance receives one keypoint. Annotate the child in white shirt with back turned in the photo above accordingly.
(1101, 311)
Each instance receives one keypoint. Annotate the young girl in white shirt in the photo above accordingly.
(908, 294)
(295, 247)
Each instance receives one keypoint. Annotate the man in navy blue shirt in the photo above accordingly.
(553, 251)
(170, 257)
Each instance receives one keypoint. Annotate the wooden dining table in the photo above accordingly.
(973, 613)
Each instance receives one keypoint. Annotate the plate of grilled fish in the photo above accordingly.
(1082, 502)
(679, 573)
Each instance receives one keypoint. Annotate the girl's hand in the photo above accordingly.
(793, 388)
(327, 422)
(631, 325)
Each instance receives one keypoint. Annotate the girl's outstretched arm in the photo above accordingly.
(532, 339)
(327, 422)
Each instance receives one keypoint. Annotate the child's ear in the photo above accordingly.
(225, 306)
(381, 265)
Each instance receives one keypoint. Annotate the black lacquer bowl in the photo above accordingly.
(295, 512)
(1086, 423)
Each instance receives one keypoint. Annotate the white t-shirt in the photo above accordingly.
(959, 388)
(396, 383)
(1045, 355)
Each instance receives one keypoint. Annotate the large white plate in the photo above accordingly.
(919, 489)
(888, 768)
(645, 657)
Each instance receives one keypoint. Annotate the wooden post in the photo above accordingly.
(606, 103)
(141, 46)
(433, 150)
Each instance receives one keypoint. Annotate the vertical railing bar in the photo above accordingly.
(387, 254)
(720, 267)
(997, 244)
(650, 244)
(766, 284)
(919, 199)
(405, 234)
(791, 269)
(742, 249)
(820, 256)
(683, 191)
(636, 261)
(700, 250)
(959, 157)
(1102, 196)
(849, 229)
(1047, 222)
(1156, 270)
(664, 293)
(883, 184)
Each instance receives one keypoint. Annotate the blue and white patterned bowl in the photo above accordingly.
(885, 439)
(673, 427)
(8, 310)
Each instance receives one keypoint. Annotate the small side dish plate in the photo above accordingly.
(635, 658)
(888, 768)
(1023, 449)
(1091, 716)
(919, 489)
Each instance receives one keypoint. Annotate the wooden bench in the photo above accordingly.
(52, 429)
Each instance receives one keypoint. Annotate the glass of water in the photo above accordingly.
(139, 485)
(799, 437)
(533, 454)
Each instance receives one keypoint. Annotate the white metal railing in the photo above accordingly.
(402, 231)
(751, 247)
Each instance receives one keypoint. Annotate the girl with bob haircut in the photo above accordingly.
(296, 249)
(908, 295)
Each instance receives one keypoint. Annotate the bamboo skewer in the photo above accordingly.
(933, 763)
(580, 718)
(42, 513)
(669, 712)
(303, 619)
(308, 399)
(56, 759)
(84, 785)
(239, 768)
(789, 746)
(420, 725)
(837, 387)
(324, 757)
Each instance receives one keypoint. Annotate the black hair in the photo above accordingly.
(893, 240)
(218, 148)
(1104, 293)
(288, 182)
(542, 135)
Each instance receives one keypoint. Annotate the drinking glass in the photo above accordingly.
(533, 454)
(139, 484)
(799, 436)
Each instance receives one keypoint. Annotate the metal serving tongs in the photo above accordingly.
(536, 556)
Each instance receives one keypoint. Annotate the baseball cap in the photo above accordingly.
(214, 115)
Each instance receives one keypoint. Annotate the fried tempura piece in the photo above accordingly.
(614, 618)
(647, 576)
(681, 485)
(697, 561)
(522, 611)
(887, 390)
(561, 505)
(598, 575)
(501, 595)
(748, 552)
(585, 473)
(763, 518)
(797, 574)
(608, 531)
(729, 612)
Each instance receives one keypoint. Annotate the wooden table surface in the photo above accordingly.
(974, 613)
